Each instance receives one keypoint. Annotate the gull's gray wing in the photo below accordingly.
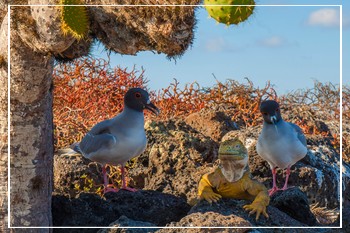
(300, 133)
(99, 137)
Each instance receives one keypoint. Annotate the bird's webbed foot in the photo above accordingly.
(273, 190)
(110, 188)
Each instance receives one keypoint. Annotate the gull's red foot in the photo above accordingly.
(107, 190)
(273, 191)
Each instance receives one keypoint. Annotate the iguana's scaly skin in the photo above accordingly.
(214, 185)
(232, 149)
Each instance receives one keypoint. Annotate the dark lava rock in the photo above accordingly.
(178, 157)
(294, 203)
(124, 221)
(209, 219)
(213, 217)
(211, 123)
(227, 207)
(345, 219)
(150, 206)
(346, 216)
(68, 170)
(91, 210)
(229, 213)
(235, 207)
(85, 210)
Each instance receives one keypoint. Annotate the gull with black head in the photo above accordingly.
(280, 143)
(117, 140)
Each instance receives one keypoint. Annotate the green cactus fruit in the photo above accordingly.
(74, 18)
(229, 14)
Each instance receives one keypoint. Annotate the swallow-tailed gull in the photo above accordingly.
(117, 140)
(280, 143)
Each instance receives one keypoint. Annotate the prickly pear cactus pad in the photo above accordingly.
(74, 18)
(233, 14)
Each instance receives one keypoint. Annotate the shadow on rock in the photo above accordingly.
(124, 221)
(230, 213)
(289, 208)
(92, 210)
(234, 208)
(294, 203)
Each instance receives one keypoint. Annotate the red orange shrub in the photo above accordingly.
(175, 102)
(320, 103)
(242, 99)
(88, 91)
(346, 123)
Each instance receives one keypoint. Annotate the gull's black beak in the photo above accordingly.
(150, 106)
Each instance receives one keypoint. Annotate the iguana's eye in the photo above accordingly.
(264, 113)
(277, 109)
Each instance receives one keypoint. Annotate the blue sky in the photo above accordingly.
(287, 45)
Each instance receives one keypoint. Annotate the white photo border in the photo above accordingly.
(166, 5)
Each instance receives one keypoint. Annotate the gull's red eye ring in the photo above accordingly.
(138, 95)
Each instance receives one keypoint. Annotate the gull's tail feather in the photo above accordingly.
(67, 151)
(76, 148)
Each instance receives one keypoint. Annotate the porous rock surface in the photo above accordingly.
(179, 152)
